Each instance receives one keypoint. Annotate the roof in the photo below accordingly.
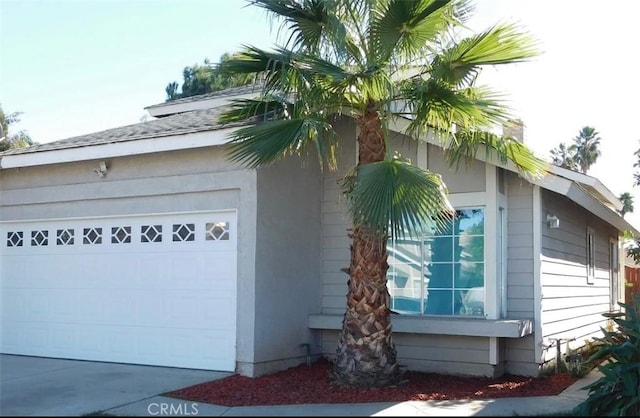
(178, 124)
(203, 101)
(234, 91)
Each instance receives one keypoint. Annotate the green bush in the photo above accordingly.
(617, 392)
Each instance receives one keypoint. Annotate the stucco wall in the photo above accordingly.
(189, 180)
(288, 263)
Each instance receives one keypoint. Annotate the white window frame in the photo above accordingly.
(614, 274)
(591, 255)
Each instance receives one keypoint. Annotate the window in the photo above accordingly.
(613, 274)
(92, 236)
(121, 235)
(591, 256)
(151, 233)
(443, 272)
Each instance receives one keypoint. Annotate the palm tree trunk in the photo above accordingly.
(366, 355)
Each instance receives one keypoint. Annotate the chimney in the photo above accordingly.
(514, 128)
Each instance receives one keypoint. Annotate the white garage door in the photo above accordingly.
(154, 289)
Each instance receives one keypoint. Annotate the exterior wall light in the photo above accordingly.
(101, 171)
(553, 221)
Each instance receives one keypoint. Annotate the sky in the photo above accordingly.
(79, 66)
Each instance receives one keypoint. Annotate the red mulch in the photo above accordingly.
(310, 384)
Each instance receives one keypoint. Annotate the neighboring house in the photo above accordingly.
(144, 244)
(632, 279)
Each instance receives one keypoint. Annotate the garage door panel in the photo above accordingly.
(220, 351)
(157, 289)
(64, 305)
(38, 304)
(121, 343)
(17, 280)
(63, 338)
(216, 317)
(36, 337)
(90, 305)
(149, 271)
(13, 304)
(93, 341)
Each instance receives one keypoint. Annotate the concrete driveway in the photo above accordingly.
(39, 386)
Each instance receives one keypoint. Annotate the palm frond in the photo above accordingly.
(284, 71)
(437, 105)
(396, 196)
(407, 26)
(466, 144)
(241, 110)
(263, 143)
(500, 44)
(314, 26)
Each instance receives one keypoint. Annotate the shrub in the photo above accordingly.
(617, 392)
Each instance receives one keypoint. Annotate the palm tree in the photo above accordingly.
(636, 165)
(585, 148)
(627, 203)
(376, 61)
(20, 139)
(562, 157)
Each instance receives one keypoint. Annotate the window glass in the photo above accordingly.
(405, 276)
(591, 256)
(442, 273)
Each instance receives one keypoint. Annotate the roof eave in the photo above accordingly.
(592, 184)
(118, 149)
(565, 184)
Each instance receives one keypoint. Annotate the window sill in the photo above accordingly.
(477, 327)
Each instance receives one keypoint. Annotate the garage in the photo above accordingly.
(154, 289)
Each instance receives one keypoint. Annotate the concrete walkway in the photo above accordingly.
(35, 386)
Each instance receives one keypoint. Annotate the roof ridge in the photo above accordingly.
(231, 91)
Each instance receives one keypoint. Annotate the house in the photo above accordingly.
(144, 244)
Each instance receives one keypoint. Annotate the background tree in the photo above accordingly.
(376, 60)
(563, 157)
(585, 148)
(636, 165)
(172, 91)
(627, 203)
(201, 79)
(8, 140)
(633, 250)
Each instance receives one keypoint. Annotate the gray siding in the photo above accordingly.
(520, 356)
(462, 178)
(572, 308)
(335, 223)
(519, 247)
(520, 353)
(432, 353)
(287, 263)
(436, 353)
